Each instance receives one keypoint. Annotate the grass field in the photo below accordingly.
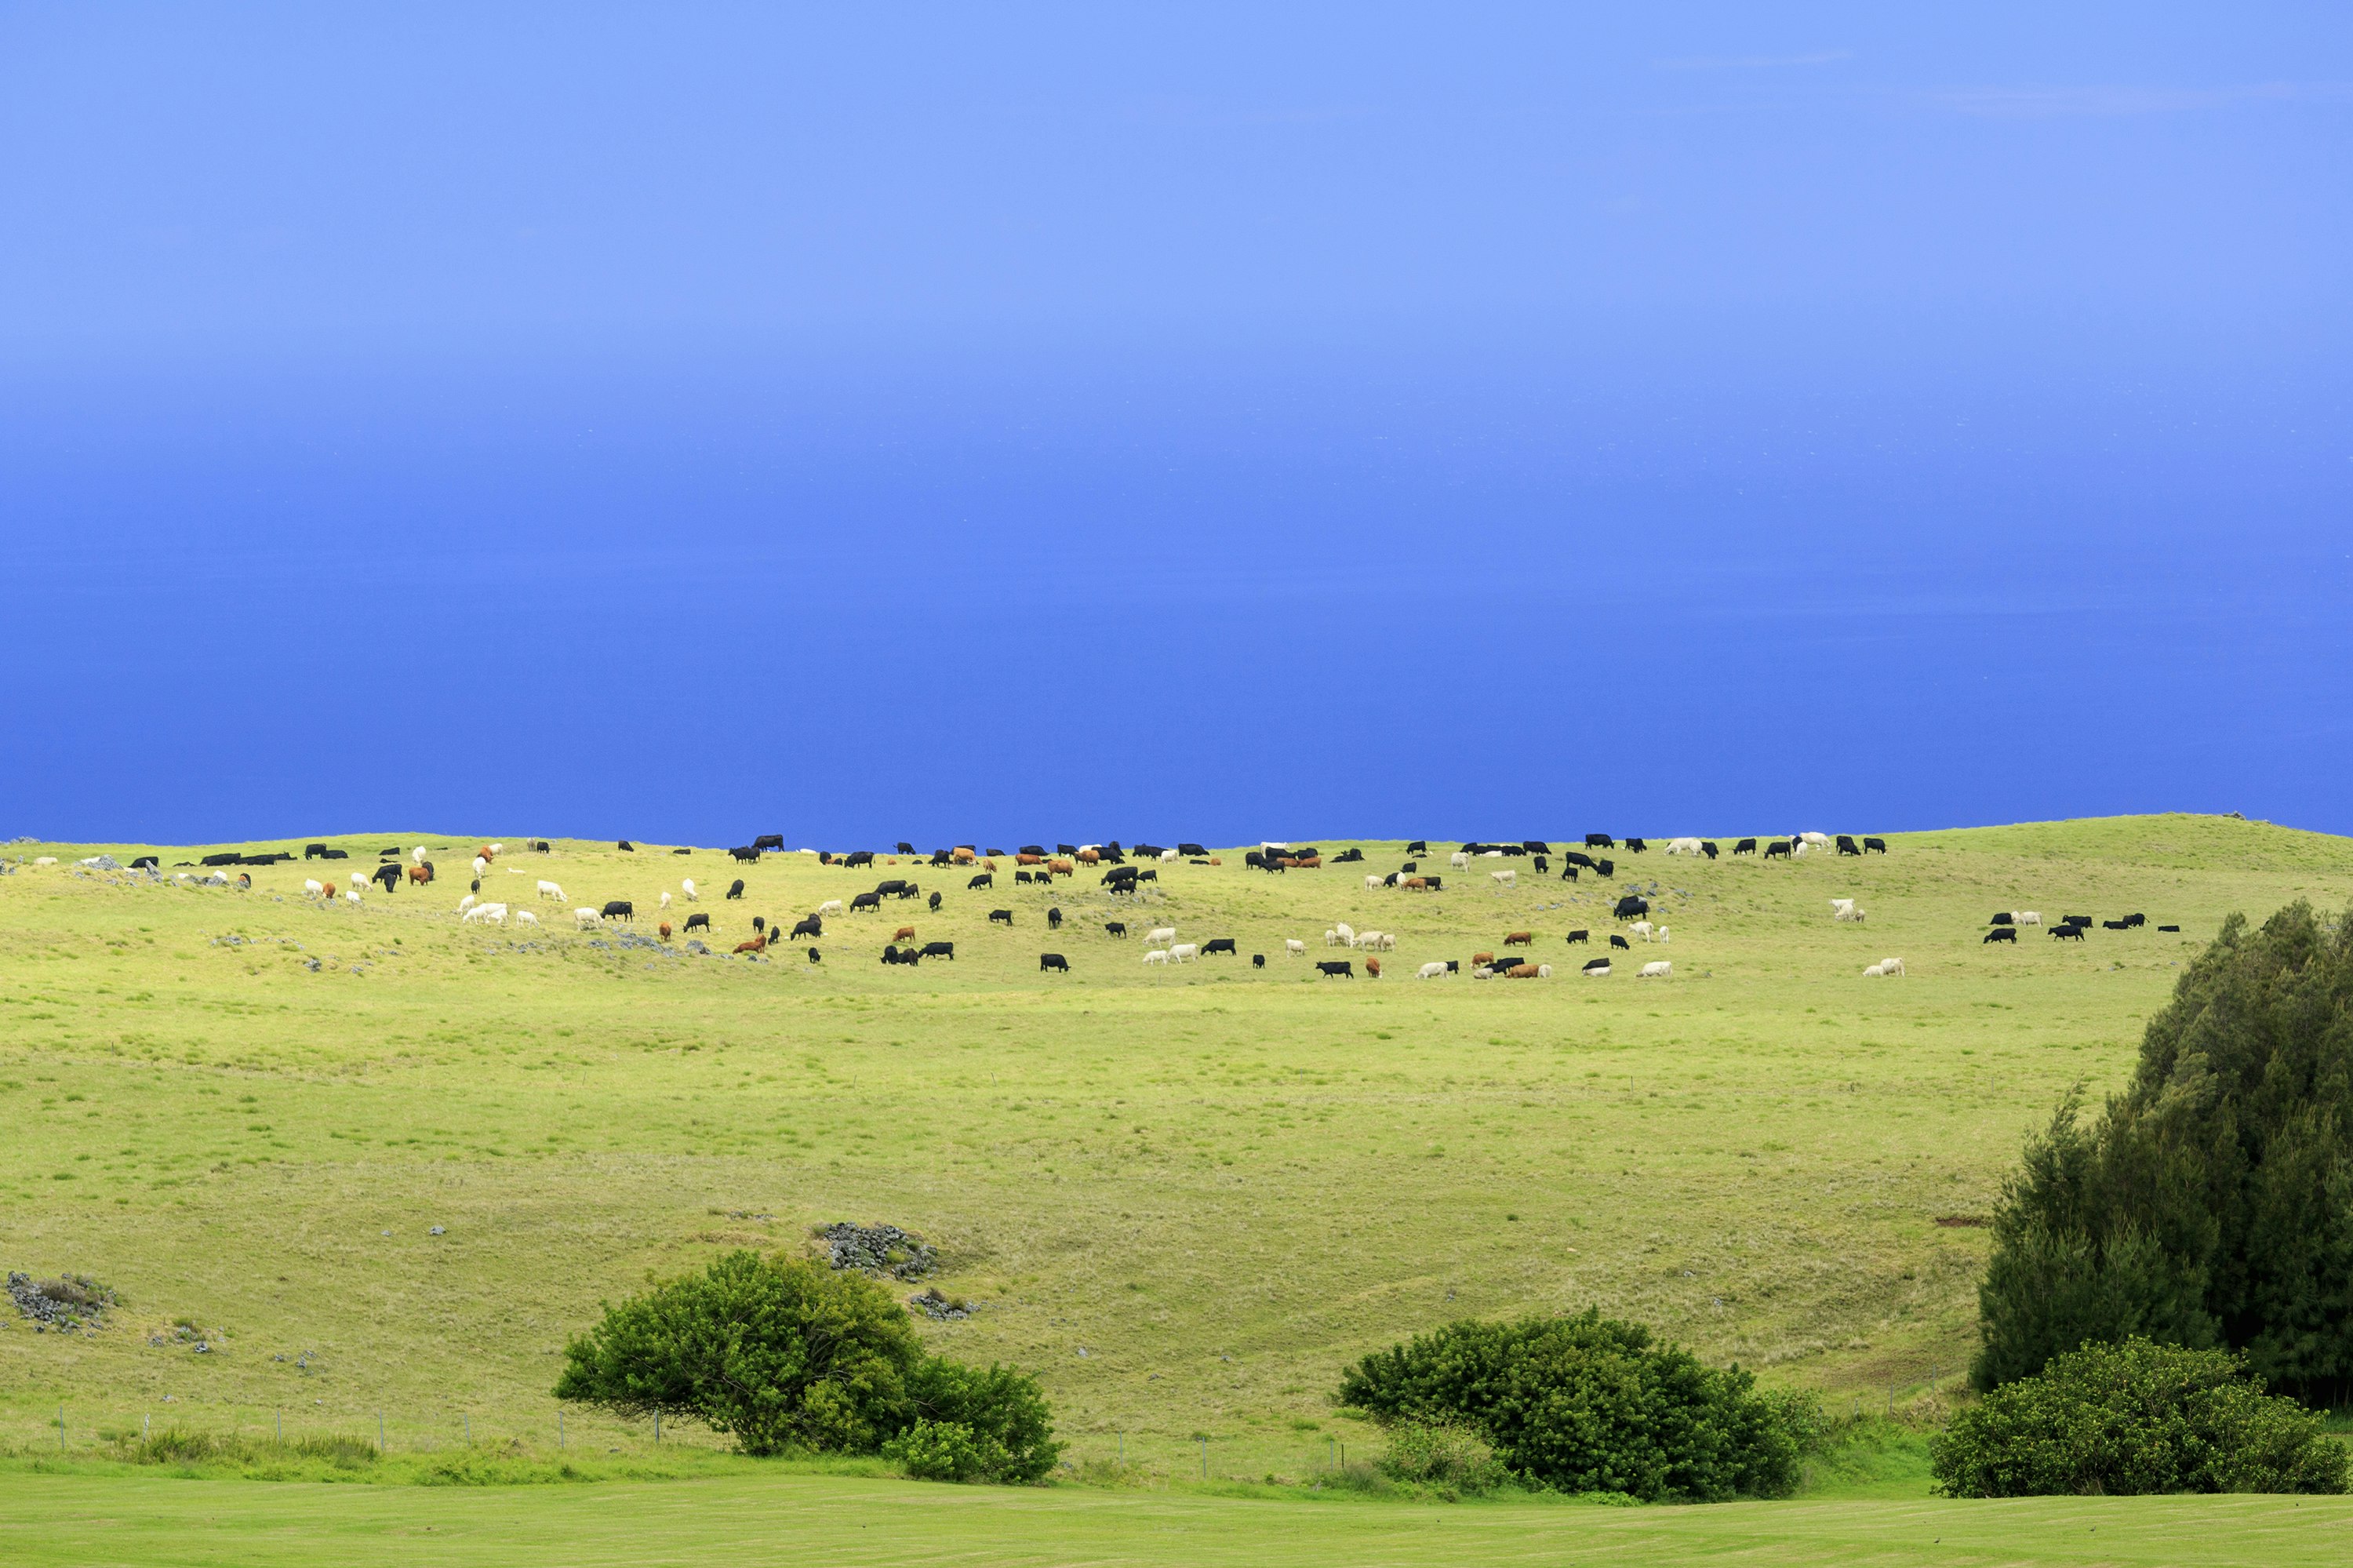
(1185, 1198)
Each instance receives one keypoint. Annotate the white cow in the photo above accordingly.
(525, 917)
(686, 887)
(417, 855)
(1430, 971)
(1599, 971)
(1818, 841)
(664, 904)
(1296, 949)
(1885, 967)
(1460, 860)
(1184, 952)
(1852, 911)
(1658, 969)
(1543, 971)
(359, 879)
(549, 890)
(1505, 878)
(1160, 935)
(1662, 933)
(2027, 917)
(312, 887)
(1484, 971)
(1490, 855)
(1372, 881)
(1347, 933)
(467, 903)
(1331, 937)
(1156, 956)
(351, 896)
(1840, 905)
(1385, 941)
(1169, 855)
(588, 919)
(830, 907)
(1643, 929)
(1682, 846)
(481, 865)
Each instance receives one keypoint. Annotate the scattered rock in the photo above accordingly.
(878, 1249)
(941, 1308)
(67, 1302)
(104, 862)
(437, 1230)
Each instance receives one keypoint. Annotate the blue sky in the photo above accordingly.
(688, 422)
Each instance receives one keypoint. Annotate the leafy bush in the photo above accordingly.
(1444, 1455)
(1589, 1405)
(2213, 1202)
(2136, 1418)
(787, 1354)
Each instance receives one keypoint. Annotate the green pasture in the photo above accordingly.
(1185, 1198)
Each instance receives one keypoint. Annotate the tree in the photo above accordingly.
(2212, 1201)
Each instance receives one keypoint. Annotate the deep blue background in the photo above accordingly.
(689, 423)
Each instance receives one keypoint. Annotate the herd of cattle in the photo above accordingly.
(1126, 871)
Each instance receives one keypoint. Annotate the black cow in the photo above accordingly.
(806, 925)
(1593, 964)
(1338, 969)
(816, 957)
(1150, 873)
(891, 886)
(1022, 879)
(2003, 934)
(625, 847)
(935, 903)
(1038, 849)
(1218, 945)
(1053, 919)
(538, 846)
(943, 857)
(1580, 937)
(1637, 846)
(1454, 965)
(150, 863)
(2169, 928)
(759, 924)
(865, 901)
(743, 853)
(1707, 848)
(1066, 849)
(2111, 926)
(735, 888)
(907, 848)
(682, 850)
(895, 955)
(1846, 845)
(1191, 850)
(1348, 857)
(1435, 882)
(909, 891)
(392, 853)
(313, 852)
(1119, 877)
(1605, 868)
(698, 923)
(857, 858)
(619, 909)
(267, 858)
(1257, 960)
(1630, 908)
(1536, 846)
(1778, 848)
(1419, 846)
(388, 875)
(2004, 919)
(475, 885)
(769, 842)
(1542, 865)
(1874, 846)
(1599, 841)
(2064, 933)
(1000, 917)
(1746, 846)
(1621, 942)
(985, 879)
(334, 854)
(1577, 857)
(2076, 920)
(2133, 922)
(1053, 961)
(940, 950)
(1149, 851)
(1410, 867)
(1114, 927)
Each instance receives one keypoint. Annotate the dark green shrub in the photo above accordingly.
(2135, 1418)
(788, 1354)
(1447, 1456)
(2213, 1202)
(1589, 1405)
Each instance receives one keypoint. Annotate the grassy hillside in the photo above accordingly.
(1186, 1198)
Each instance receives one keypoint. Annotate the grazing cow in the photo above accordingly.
(2029, 917)
(1156, 956)
(1778, 850)
(1419, 846)
(807, 925)
(1184, 952)
(815, 957)
(903, 934)
(758, 944)
(1599, 841)
(735, 888)
(1053, 961)
(313, 886)
(1294, 948)
(1641, 928)
(743, 853)
(1528, 971)
(1617, 942)
(1504, 878)
(1090, 856)
(686, 887)
(358, 880)
(549, 890)
(983, 880)
(1026, 858)
(1605, 868)
(1890, 966)
(769, 842)
(1114, 927)
(2133, 922)
(1568, 874)
(1520, 939)
(1479, 960)
(963, 854)
(1218, 945)
(1341, 968)
(891, 887)
(1053, 918)
(1415, 884)
(1846, 909)
(1372, 968)
(830, 907)
(1257, 960)
(1597, 969)
(481, 865)
(940, 950)
(1632, 907)
(1657, 969)
(2000, 917)
(1378, 881)
(313, 852)
(662, 930)
(2075, 920)
(1874, 846)
(2067, 933)
(2002, 934)
(1121, 878)
(1058, 867)
(1161, 935)
(934, 903)
(1707, 848)
(1846, 845)
(1430, 972)
(1580, 937)
(1459, 859)
(1191, 849)
(351, 896)
(907, 848)
(619, 909)
(857, 859)
(1746, 846)
(907, 955)
(697, 923)
(586, 919)
(663, 902)
(1682, 846)
(389, 876)
(1000, 917)
(866, 901)
(1636, 846)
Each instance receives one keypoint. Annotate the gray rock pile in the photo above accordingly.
(64, 1303)
(939, 1308)
(877, 1249)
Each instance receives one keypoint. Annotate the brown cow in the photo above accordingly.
(1300, 862)
(1088, 857)
(1029, 860)
(757, 945)
(665, 931)
(963, 856)
(1058, 867)
(904, 934)
(1479, 958)
(1521, 971)
(485, 853)
(1519, 939)
(1372, 968)
(1419, 881)
(420, 875)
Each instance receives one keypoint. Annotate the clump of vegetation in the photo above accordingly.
(66, 1301)
(788, 1356)
(878, 1249)
(1444, 1455)
(178, 1446)
(1587, 1404)
(2136, 1418)
(2213, 1204)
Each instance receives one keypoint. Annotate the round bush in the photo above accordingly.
(1591, 1405)
(2132, 1419)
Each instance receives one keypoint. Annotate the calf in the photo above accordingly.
(1338, 969)
(1053, 961)
(1578, 937)
(1000, 917)
(1372, 968)
(1218, 945)
(815, 957)
(735, 888)
(1053, 919)
(934, 903)
(618, 909)
(1257, 960)
(758, 944)
(940, 950)
(697, 923)
(663, 930)
(1114, 927)
(903, 934)
(1621, 942)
